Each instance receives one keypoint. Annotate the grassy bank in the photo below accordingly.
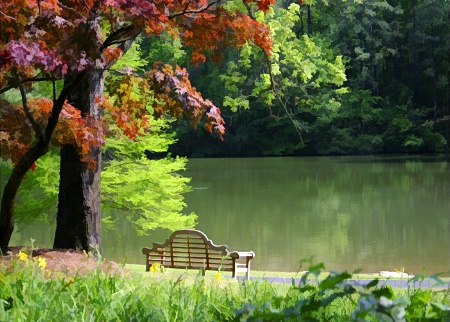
(31, 292)
(140, 269)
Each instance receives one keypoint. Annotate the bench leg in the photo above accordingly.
(234, 268)
(247, 273)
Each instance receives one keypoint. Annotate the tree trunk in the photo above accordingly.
(78, 218)
(448, 86)
(309, 20)
(10, 192)
(415, 57)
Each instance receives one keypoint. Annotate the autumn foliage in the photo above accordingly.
(51, 40)
(167, 91)
(72, 128)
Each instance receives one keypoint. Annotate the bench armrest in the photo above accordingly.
(247, 255)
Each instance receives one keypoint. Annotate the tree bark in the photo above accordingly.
(78, 218)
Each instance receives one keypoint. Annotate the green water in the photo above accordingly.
(373, 213)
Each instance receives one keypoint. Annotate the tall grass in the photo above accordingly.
(30, 292)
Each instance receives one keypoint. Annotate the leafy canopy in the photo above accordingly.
(54, 40)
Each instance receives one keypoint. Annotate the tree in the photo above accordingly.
(77, 42)
(270, 102)
(395, 50)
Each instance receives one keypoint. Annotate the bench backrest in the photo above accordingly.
(189, 248)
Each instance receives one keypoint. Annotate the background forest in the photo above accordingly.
(394, 98)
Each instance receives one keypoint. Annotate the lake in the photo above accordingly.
(374, 213)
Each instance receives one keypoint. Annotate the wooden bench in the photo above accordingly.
(191, 249)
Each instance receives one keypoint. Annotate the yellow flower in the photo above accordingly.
(218, 276)
(23, 256)
(42, 262)
(71, 281)
(156, 267)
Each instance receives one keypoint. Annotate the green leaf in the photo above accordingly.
(316, 269)
(371, 284)
(333, 279)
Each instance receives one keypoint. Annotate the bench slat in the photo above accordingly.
(197, 259)
(187, 263)
(201, 259)
(187, 240)
(197, 252)
(215, 268)
(217, 259)
(192, 254)
(189, 247)
(183, 263)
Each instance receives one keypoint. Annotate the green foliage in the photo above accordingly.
(32, 293)
(144, 52)
(374, 37)
(37, 196)
(35, 294)
(297, 68)
(162, 48)
(132, 58)
(277, 96)
(150, 191)
(337, 299)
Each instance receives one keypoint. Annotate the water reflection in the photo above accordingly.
(347, 212)
(372, 213)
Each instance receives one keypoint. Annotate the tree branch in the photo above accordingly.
(186, 11)
(9, 17)
(23, 81)
(249, 10)
(120, 36)
(71, 9)
(59, 103)
(54, 92)
(36, 126)
(124, 44)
